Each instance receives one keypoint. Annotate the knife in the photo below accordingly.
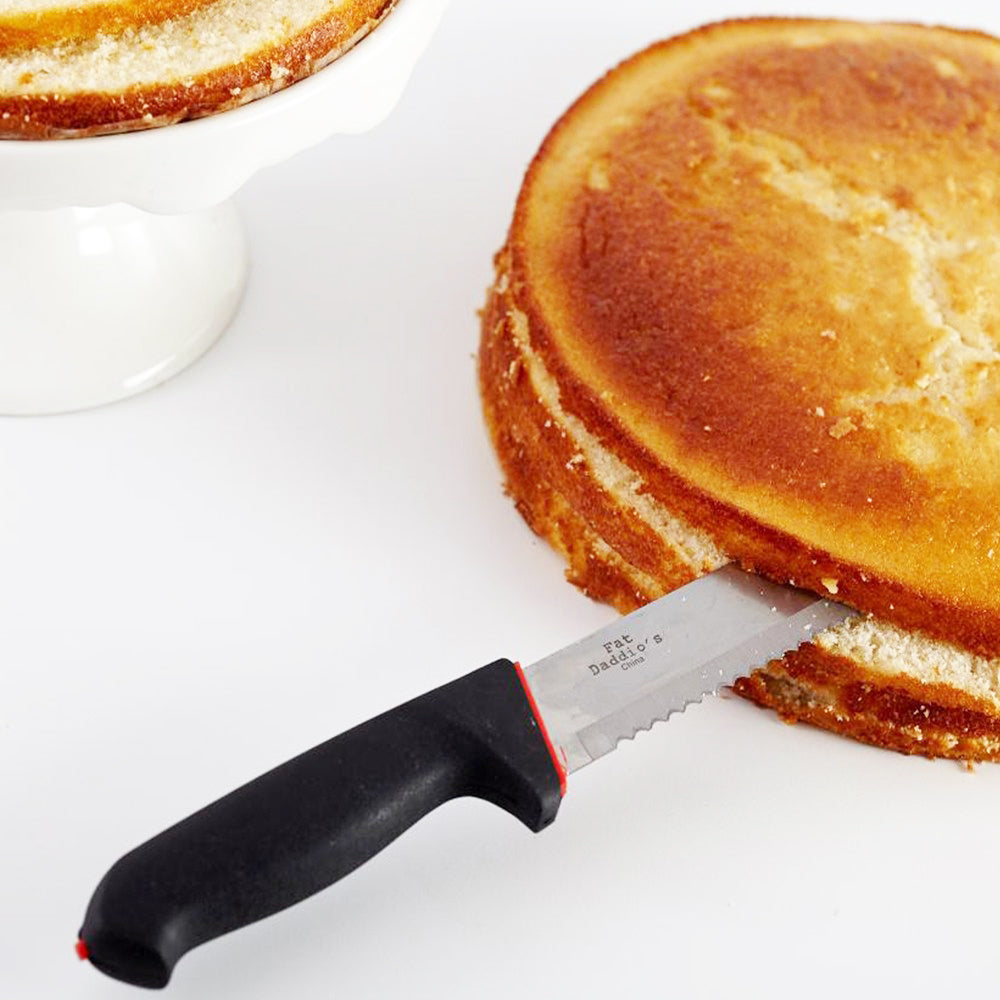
(503, 734)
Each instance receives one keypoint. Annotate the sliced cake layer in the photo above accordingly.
(760, 261)
(117, 65)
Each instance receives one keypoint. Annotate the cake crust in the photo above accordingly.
(749, 309)
(759, 261)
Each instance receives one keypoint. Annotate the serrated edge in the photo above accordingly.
(596, 741)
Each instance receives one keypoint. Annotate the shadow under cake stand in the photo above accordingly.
(122, 257)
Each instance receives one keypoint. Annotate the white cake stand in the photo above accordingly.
(122, 257)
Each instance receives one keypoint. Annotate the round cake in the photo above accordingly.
(749, 309)
(103, 66)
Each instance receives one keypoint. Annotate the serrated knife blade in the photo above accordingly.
(502, 734)
(655, 661)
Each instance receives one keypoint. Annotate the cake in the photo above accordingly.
(104, 66)
(749, 309)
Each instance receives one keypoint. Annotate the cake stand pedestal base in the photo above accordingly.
(100, 303)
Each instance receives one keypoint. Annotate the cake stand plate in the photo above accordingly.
(122, 257)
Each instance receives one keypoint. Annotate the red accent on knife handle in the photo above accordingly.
(307, 823)
(557, 760)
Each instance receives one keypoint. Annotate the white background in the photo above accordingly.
(307, 527)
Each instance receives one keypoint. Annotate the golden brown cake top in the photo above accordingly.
(96, 66)
(764, 259)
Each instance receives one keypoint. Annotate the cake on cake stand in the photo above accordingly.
(122, 257)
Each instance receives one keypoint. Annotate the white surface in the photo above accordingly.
(102, 303)
(306, 527)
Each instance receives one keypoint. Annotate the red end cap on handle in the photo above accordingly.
(557, 761)
(82, 951)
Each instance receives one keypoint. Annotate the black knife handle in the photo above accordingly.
(307, 823)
